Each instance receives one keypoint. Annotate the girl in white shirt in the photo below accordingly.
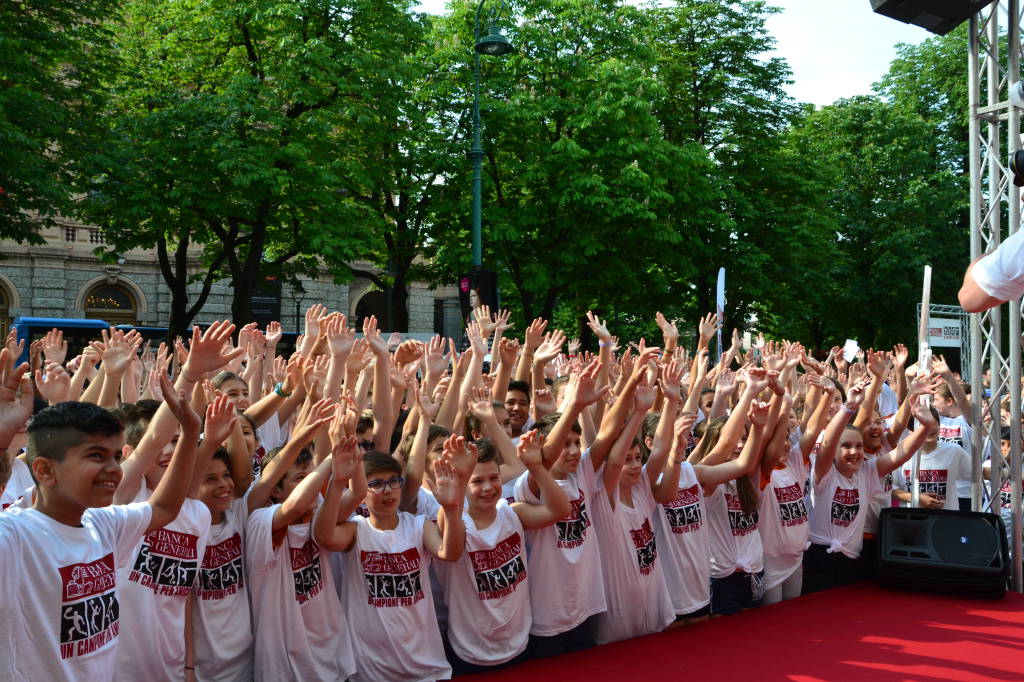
(487, 590)
(843, 488)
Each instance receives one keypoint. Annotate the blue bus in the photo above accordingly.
(77, 332)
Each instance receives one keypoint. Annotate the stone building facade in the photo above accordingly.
(63, 278)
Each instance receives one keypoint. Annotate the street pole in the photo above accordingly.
(477, 152)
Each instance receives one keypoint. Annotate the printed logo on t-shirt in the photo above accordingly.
(952, 434)
(792, 510)
(362, 510)
(1005, 498)
(306, 571)
(221, 572)
(88, 609)
(167, 562)
(572, 528)
(257, 462)
(683, 512)
(392, 579)
(646, 548)
(845, 505)
(740, 522)
(887, 483)
(500, 570)
(932, 482)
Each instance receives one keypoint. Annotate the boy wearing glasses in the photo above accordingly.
(385, 587)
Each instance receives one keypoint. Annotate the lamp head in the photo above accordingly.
(494, 43)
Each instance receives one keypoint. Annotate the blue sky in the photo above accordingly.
(836, 48)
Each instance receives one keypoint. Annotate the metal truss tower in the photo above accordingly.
(995, 133)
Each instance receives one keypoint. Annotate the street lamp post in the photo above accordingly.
(494, 44)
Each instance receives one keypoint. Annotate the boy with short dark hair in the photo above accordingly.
(62, 554)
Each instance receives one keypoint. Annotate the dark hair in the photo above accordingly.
(374, 462)
(548, 421)
(436, 431)
(225, 376)
(839, 387)
(486, 452)
(650, 424)
(303, 458)
(252, 424)
(136, 420)
(365, 422)
(473, 424)
(222, 455)
(521, 386)
(55, 430)
(6, 465)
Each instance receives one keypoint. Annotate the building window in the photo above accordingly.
(112, 303)
(70, 234)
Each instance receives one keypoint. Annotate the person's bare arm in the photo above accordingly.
(878, 367)
(169, 495)
(972, 297)
(534, 337)
(836, 426)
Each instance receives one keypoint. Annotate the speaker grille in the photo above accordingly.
(964, 541)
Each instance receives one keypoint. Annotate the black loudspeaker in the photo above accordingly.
(938, 16)
(943, 550)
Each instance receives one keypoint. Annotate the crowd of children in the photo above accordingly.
(377, 509)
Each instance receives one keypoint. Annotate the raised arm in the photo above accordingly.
(554, 504)
(383, 418)
(667, 485)
(611, 424)
(963, 403)
(169, 495)
(735, 426)
(331, 528)
(878, 367)
(662, 442)
(834, 430)
(894, 459)
(446, 540)
(643, 400)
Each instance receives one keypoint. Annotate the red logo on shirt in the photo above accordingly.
(792, 510)
(683, 512)
(221, 574)
(572, 529)
(89, 609)
(932, 481)
(500, 570)
(392, 579)
(306, 571)
(646, 548)
(167, 562)
(740, 522)
(845, 505)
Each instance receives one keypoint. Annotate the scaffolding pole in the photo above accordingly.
(993, 198)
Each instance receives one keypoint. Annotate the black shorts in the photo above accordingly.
(699, 613)
(736, 592)
(824, 569)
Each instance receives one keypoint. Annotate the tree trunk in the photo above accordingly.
(399, 304)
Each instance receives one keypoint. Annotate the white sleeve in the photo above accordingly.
(522, 491)
(899, 481)
(123, 525)
(260, 554)
(10, 553)
(964, 472)
(1000, 274)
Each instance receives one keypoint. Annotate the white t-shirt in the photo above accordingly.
(155, 585)
(487, 591)
(221, 617)
(680, 527)
(888, 403)
(395, 633)
(1000, 274)
(61, 592)
(884, 497)
(958, 431)
(634, 586)
(20, 480)
(837, 519)
(564, 559)
(295, 607)
(945, 465)
(783, 522)
(735, 540)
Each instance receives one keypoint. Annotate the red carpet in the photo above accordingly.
(860, 632)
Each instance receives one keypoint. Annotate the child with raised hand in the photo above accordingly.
(737, 560)
(487, 590)
(843, 487)
(395, 633)
(294, 603)
(567, 590)
(634, 585)
(61, 555)
(220, 646)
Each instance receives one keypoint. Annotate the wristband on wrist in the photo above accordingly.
(847, 410)
(279, 390)
(604, 344)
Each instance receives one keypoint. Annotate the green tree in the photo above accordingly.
(579, 180)
(897, 210)
(52, 55)
(232, 123)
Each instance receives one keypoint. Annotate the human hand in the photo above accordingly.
(461, 454)
(550, 348)
(274, 334)
(855, 395)
(394, 341)
(477, 340)
(447, 489)
(529, 449)
(758, 413)
(117, 353)
(707, 327)
(501, 322)
(900, 355)
(220, 420)
(669, 331)
(314, 314)
(939, 365)
(670, 382)
(482, 316)
(360, 356)
(15, 396)
(179, 406)
(574, 346)
(599, 327)
(55, 348)
(210, 350)
(508, 351)
(928, 502)
(535, 333)
(346, 457)
(481, 404)
(340, 338)
(55, 384)
(878, 363)
(373, 337)
(644, 396)
(408, 352)
(14, 347)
